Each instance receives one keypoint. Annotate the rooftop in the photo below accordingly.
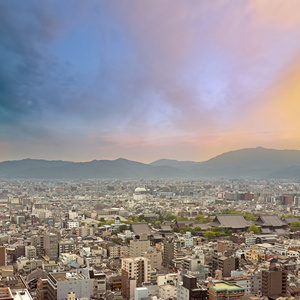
(221, 286)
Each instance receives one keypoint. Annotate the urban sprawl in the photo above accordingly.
(150, 239)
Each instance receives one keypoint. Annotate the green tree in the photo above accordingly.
(157, 224)
(123, 228)
(117, 240)
(295, 224)
(130, 220)
(209, 234)
(182, 230)
(170, 217)
(197, 228)
(253, 228)
(109, 222)
(135, 220)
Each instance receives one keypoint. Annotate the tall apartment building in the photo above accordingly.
(189, 289)
(155, 258)
(58, 285)
(85, 231)
(30, 252)
(225, 264)
(139, 246)
(170, 249)
(117, 251)
(135, 271)
(66, 247)
(51, 245)
(274, 281)
(194, 262)
(3, 257)
(98, 283)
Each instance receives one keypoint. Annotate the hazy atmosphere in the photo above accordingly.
(143, 80)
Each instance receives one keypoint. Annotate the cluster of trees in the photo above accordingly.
(295, 224)
(253, 228)
(247, 217)
(183, 230)
(216, 232)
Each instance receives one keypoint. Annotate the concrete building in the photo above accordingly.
(51, 245)
(155, 258)
(60, 284)
(224, 290)
(274, 281)
(135, 271)
(66, 247)
(30, 252)
(98, 282)
(3, 256)
(193, 263)
(139, 246)
(189, 289)
(118, 251)
(225, 264)
(167, 291)
(141, 292)
(170, 250)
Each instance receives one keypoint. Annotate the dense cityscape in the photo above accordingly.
(149, 150)
(150, 239)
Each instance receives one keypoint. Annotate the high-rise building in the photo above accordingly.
(66, 247)
(57, 286)
(189, 289)
(170, 250)
(155, 258)
(274, 281)
(225, 264)
(139, 246)
(135, 271)
(51, 245)
(30, 252)
(3, 258)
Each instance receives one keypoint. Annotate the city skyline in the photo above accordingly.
(147, 80)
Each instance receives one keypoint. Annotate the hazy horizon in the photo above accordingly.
(146, 80)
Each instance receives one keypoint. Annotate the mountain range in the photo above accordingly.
(251, 163)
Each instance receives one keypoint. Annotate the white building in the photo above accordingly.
(30, 252)
(141, 292)
(167, 291)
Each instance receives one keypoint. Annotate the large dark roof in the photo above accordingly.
(139, 228)
(271, 221)
(290, 220)
(230, 221)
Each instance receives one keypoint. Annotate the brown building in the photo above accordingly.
(190, 289)
(42, 289)
(6, 294)
(286, 199)
(3, 256)
(225, 264)
(237, 238)
(135, 271)
(224, 291)
(274, 282)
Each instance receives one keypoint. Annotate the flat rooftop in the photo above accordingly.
(222, 286)
(68, 276)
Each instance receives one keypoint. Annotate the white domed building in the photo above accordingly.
(139, 193)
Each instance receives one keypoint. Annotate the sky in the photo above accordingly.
(145, 80)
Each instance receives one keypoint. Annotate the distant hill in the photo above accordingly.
(120, 168)
(252, 162)
(186, 165)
